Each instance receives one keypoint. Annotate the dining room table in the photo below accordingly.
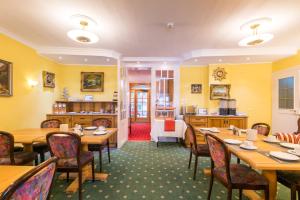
(258, 159)
(10, 173)
(32, 135)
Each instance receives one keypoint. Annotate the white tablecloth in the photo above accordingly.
(158, 130)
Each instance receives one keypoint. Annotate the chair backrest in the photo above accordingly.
(50, 123)
(6, 148)
(107, 123)
(219, 154)
(64, 145)
(35, 184)
(190, 132)
(262, 128)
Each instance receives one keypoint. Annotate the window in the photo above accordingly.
(286, 93)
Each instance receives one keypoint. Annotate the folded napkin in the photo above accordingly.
(169, 124)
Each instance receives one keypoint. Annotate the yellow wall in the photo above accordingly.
(193, 75)
(284, 63)
(71, 78)
(28, 106)
(250, 85)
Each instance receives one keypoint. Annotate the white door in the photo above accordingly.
(285, 100)
(123, 93)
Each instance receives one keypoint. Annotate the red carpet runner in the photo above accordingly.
(139, 132)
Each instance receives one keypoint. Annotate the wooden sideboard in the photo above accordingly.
(86, 120)
(218, 121)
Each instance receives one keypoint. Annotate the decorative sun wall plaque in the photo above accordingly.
(219, 74)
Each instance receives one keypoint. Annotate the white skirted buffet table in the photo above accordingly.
(158, 130)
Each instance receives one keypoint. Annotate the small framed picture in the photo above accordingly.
(6, 76)
(196, 88)
(48, 79)
(92, 81)
(219, 91)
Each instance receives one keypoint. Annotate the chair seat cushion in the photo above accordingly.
(21, 158)
(202, 150)
(40, 147)
(24, 157)
(85, 157)
(95, 147)
(241, 174)
(290, 177)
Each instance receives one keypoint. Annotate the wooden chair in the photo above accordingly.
(196, 149)
(232, 176)
(290, 179)
(35, 184)
(99, 147)
(7, 154)
(66, 147)
(262, 128)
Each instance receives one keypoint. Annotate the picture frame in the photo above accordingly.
(196, 88)
(48, 79)
(92, 81)
(6, 78)
(219, 91)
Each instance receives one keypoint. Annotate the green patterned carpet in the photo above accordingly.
(140, 170)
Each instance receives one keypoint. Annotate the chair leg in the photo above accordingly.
(267, 193)
(210, 185)
(298, 194)
(93, 169)
(36, 160)
(42, 156)
(100, 160)
(68, 176)
(229, 193)
(240, 194)
(157, 141)
(195, 168)
(238, 161)
(293, 193)
(190, 160)
(80, 184)
(108, 150)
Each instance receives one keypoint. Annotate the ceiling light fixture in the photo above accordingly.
(196, 60)
(85, 60)
(59, 58)
(82, 35)
(220, 60)
(256, 38)
(107, 59)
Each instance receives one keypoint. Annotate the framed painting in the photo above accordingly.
(48, 79)
(219, 91)
(196, 88)
(6, 89)
(92, 81)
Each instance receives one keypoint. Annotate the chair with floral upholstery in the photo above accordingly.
(40, 147)
(35, 184)
(262, 128)
(99, 147)
(66, 147)
(232, 176)
(7, 154)
(196, 149)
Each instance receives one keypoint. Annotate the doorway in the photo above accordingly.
(140, 101)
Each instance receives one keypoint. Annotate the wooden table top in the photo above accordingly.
(28, 136)
(10, 173)
(256, 158)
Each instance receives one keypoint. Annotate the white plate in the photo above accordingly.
(284, 156)
(293, 152)
(289, 145)
(271, 141)
(90, 128)
(232, 141)
(243, 146)
(100, 132)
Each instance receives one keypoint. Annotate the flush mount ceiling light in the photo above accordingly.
(83, 20)
(256, 38)
(83, 35)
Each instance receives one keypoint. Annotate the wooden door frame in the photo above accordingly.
(135, 119)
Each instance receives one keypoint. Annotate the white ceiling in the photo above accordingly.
(137, 28)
